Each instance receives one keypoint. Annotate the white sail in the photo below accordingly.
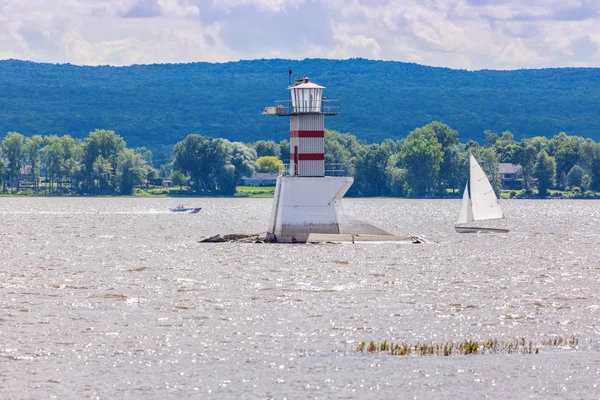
(465, 215)
(483, 199)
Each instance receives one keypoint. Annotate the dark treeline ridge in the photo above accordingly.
(429, 162)
(158, 105)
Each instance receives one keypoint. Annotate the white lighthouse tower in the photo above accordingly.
(306, 201)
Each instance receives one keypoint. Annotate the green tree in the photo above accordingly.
(462, 167)
(205, 160)
(587, 149)
(13, 148)
(396, 176)
(32, 156)
(2, 175)
(566, 155)
(165, 170)
(342, 151)
(71, 166)
(52, 159)
(505, 147)
(421, 156)
(594, 170)
(448, 138)
(131, 171)
(151, 175)
(179, 179)
(452, 169)
(490, 138)
(394, 146)
(284, 151)
(540, 143)
(241, 162)
(61, 162)
(525, 155)
(545, 172)
(575, 177)
(471, 144)
(269, 164)
(267, 148)
(507, 138)
(101, 176)
(371, 178)
(101, 152)
(145, 154)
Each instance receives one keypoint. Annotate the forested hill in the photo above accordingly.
(154, 105)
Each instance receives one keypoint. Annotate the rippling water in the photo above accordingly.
(114, 298)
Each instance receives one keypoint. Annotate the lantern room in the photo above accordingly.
(306, 96)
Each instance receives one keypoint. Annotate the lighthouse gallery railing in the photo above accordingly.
(326, 107)
(331, 169)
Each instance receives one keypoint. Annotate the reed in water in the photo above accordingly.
(467, 347)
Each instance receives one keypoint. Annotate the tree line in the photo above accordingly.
(100, 164)
(430, 161)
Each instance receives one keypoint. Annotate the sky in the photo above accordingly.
(464, 34)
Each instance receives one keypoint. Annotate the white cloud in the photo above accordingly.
(469, 34)
(350, 44)
(268, 5)
(477, 33)
(178, 8)
(110, 32)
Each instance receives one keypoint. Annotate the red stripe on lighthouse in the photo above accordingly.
(308, 157)
(307, 134)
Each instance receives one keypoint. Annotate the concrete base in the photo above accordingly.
(351, 226)
(314, 238)
(318, 238)
(303, 206)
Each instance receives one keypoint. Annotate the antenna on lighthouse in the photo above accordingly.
(289, 76)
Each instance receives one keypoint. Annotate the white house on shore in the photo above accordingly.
(261, 179)
(511, 176)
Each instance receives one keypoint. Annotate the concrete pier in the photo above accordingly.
(315, 238)
(306, 205)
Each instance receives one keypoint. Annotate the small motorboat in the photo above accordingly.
(182, 208)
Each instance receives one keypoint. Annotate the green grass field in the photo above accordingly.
(241, 191)
(255, 191)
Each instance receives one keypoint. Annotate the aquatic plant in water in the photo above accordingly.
(467, 347)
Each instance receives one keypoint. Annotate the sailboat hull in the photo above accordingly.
(475, 229)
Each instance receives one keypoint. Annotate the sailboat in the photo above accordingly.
(479, 202)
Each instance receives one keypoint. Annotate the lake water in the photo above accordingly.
(116, 299)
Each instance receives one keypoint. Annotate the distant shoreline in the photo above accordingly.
(267, 192)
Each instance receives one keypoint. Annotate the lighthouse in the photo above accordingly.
(306, 201)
